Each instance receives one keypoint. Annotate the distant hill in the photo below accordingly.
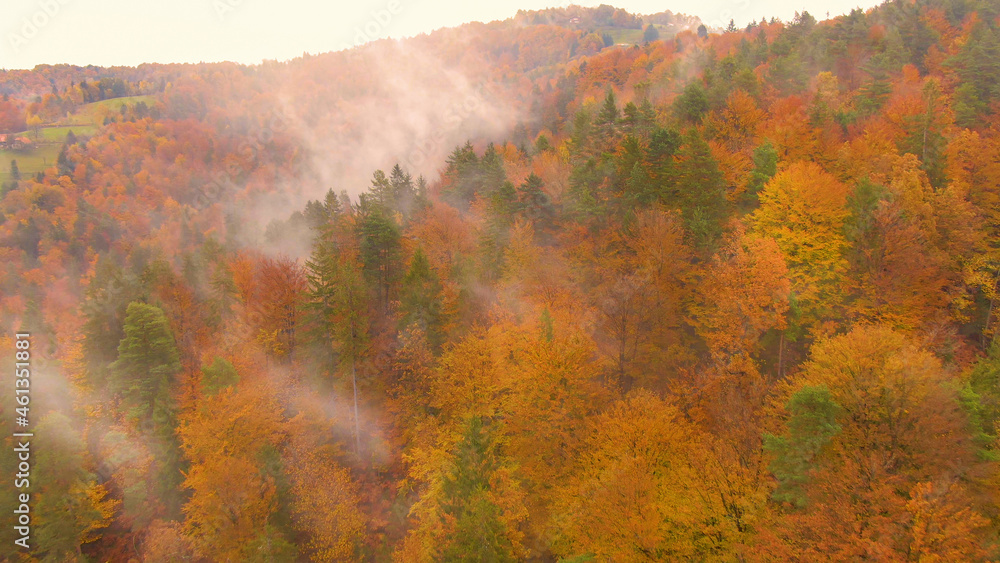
(564, 287)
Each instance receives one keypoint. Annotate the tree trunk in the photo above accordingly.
(357, 425)
(986, 327)
(989, 314)
(781, 354)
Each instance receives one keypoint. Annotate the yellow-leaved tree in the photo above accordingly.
(325, 506)
(744, 295)
(504, 426)
(232, 496)
(639, 494)
(70, 507)
(803, 209)
(876, 459)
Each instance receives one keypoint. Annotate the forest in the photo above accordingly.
(581, 285)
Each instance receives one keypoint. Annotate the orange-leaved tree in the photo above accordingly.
(803, 209)
(875, 444)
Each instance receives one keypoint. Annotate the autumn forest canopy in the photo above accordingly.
(581, 285)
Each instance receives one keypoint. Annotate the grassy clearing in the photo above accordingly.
(94, 112)
(58, 134)
(627, 36)
(29, 162)
(44, 152)
(84, 122)
(634, 36)
(92, 115)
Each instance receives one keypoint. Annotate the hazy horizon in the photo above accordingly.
(586, 285)
(119, 33)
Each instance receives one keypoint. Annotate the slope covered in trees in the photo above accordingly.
(723, 297)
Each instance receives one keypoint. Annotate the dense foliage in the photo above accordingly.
(713, 296)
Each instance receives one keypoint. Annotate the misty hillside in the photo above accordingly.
(581, 285)
(426, 94)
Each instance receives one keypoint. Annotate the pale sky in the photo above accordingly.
(131, 32)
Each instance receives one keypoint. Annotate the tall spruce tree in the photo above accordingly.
(147, 363)
(479, 533)
(420, 300)
(701, 190)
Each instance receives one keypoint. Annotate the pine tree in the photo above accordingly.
(479, 532)
(147, 362)
(607, 119)
(542, 144)
(381, 192)
(143, 376)
(218, 376)
(460, 177)
(982, 399)
(701, 196)
(107, 299)
(664, 145)
(692, 104)
(583, 129)
(535, 204)
(70, 508)
(421, 200)
(639, 187)
(322, 215)
(812, 424)
(420, 300)
(503, 208)
(630, 118)
(380, 252)
(403, 191)
(338, 300)
(491, 171)
(650, 34)
(63, 162)
(765, 161)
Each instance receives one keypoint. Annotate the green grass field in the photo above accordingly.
(85, 122)
(29, 162)
(632, 36)
(94, 111)
(627, 36)
(92, 114)
(57, 134)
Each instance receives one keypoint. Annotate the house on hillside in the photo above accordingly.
(15, 143)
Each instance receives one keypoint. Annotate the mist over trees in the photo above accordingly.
(513, 292)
